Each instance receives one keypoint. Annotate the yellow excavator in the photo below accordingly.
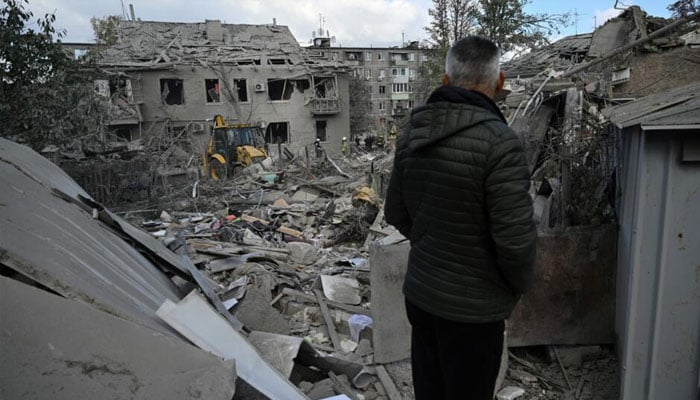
(231, 148)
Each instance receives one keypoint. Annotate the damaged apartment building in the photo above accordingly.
(168, 78)
(390, 73)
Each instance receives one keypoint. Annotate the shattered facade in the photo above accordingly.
(180, 75)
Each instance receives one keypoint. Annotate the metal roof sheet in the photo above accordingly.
(51, 237)
(677, 106)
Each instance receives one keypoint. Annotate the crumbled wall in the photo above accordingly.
(655, 72)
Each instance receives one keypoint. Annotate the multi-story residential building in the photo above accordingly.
(389, 71)
(183, 74)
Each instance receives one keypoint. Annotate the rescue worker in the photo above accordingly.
(318, 148)
(344, 147)
(392, 138)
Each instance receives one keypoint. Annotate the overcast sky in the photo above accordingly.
(378, 23)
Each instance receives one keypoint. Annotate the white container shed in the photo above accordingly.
(658, 279)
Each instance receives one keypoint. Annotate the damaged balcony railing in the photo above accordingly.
(326, 106)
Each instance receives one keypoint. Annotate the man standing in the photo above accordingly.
(459, 192)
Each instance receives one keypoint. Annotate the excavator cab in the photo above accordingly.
(232, 147)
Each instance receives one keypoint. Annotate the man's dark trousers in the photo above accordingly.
(453, 360)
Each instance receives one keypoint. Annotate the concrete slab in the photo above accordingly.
(55, 348)
(195, 319)
(392, 331)
(278, 350)
(340, 289)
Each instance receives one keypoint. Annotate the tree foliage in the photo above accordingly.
(503, 21)
(683, 8)
(507, 24)
(451, 20)
(105, 30)
(47, 97)
(360, 94)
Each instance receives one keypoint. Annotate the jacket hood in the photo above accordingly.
(449, 109)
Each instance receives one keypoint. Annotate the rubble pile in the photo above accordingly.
(285, 250)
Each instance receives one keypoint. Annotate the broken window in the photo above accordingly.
(324, 87)
(252, 61)
(279, 89)
(171, 91)
(279, 61)
(212, 89)
(277, 132)
(241, 88)
(302, 84)
(381, 105)
(382, 89)
(321, 130)
(380, 56)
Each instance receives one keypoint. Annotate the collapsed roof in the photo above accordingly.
(632, 24)
(150, 44)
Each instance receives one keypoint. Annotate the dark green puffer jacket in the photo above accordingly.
(459, 192)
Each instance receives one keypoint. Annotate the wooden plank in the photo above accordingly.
(389, 386)
(329, 320)
(281, 229)
(345, 307)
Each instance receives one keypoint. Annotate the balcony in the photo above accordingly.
(399, 62)
(400, 96)
(323, 106)
(399, 111)
(124, 114)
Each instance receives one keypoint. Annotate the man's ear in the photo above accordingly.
(445, 80)
(501, 81)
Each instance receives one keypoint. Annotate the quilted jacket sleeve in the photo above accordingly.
(509, 208)
(395, 211)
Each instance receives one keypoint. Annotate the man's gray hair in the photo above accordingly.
(473, 61)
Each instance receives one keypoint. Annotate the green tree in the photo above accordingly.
(105, 30)
(683, 8)
(507, 24)
(451, 20)
(360, 94)
(46, 97)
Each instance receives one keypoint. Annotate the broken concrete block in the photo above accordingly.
(341, 289)
(510, 393)
(305, 195)
(322, 389)
(347, 345)
(165, 217)
(256, 313)
(302, 253)
(252, 239)
(278, 350)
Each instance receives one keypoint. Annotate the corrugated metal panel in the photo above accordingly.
(676, 106)
(659, 275)
(56, 242)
